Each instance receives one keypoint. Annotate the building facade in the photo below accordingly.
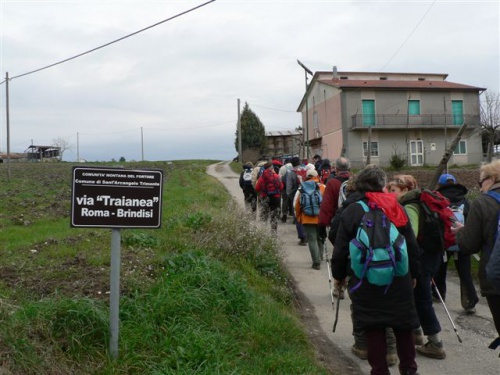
(284, 144)
(413, 115)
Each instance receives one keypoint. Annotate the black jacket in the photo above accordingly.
(373, 308)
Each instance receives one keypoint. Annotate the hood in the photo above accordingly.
(455, 193)
(412, 195)
(389, 204)
(353, 197)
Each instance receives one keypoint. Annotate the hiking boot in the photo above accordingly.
(316, 266)
(408, 372)
(360, 353)
(391, 359)
(432, 350)
(303, 242)
(470, 310)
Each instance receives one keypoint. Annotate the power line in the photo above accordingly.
(112, 42)
(272, 109)
(409, 36)
(193, 128)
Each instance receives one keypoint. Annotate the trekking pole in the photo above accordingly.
(331, 290)
(336, 313)
(329, 273)
(446, 309)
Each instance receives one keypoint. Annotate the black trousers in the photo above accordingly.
(270, 209)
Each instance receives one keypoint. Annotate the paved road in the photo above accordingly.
(476, 331)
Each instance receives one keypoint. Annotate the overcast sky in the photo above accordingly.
(177, 84)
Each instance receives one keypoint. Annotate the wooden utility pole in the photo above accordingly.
(446, 158)
(240, 143)
(7, 123)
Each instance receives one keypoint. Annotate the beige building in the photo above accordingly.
(284, 144)
(414, 115)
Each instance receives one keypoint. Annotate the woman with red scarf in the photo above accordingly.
(374, 307)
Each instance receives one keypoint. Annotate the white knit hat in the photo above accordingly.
(310, 166)
(311, 173)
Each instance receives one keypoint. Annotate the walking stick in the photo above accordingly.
(331, 289)
(336, 313)
(329, 272)
(446, 309)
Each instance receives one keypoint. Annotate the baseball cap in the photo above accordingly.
(443, 179)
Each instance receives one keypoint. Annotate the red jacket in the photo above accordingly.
(331, 199)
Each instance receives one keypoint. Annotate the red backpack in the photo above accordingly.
(435, 221)
(271, 184)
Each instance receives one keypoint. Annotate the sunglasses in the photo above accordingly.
(481, 181)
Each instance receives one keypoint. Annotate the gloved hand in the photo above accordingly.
(321, 232)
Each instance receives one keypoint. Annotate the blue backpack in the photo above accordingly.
(378, 252)
(310, 198)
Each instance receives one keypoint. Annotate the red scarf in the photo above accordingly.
(389, 204)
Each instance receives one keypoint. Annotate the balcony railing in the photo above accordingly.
(415, 121)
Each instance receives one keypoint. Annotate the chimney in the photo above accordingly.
(335, 76)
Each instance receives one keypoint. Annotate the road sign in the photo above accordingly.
(116, 198)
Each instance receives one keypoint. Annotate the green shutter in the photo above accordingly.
(413, 107)
(457, 111)
(368, 112)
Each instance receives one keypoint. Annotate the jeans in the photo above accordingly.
(314, 242)
(430, 262)
(377, 351)
(468, 294)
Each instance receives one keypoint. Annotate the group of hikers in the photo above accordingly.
(391, 244)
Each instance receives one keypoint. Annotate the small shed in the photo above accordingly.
(43, 153)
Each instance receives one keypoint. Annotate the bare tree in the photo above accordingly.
(63, 144)
(490, 120)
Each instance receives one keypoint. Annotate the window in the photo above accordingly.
(368, 112)
(457, 110)
(315, 120)
(374, 150)
(413, 107)
(461, 148)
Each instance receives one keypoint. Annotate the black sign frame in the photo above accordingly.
(107, 197)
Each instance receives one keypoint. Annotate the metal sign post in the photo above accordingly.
(114, 297)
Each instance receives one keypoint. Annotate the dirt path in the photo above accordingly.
(477, 331)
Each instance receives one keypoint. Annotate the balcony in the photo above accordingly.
(394, 122)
